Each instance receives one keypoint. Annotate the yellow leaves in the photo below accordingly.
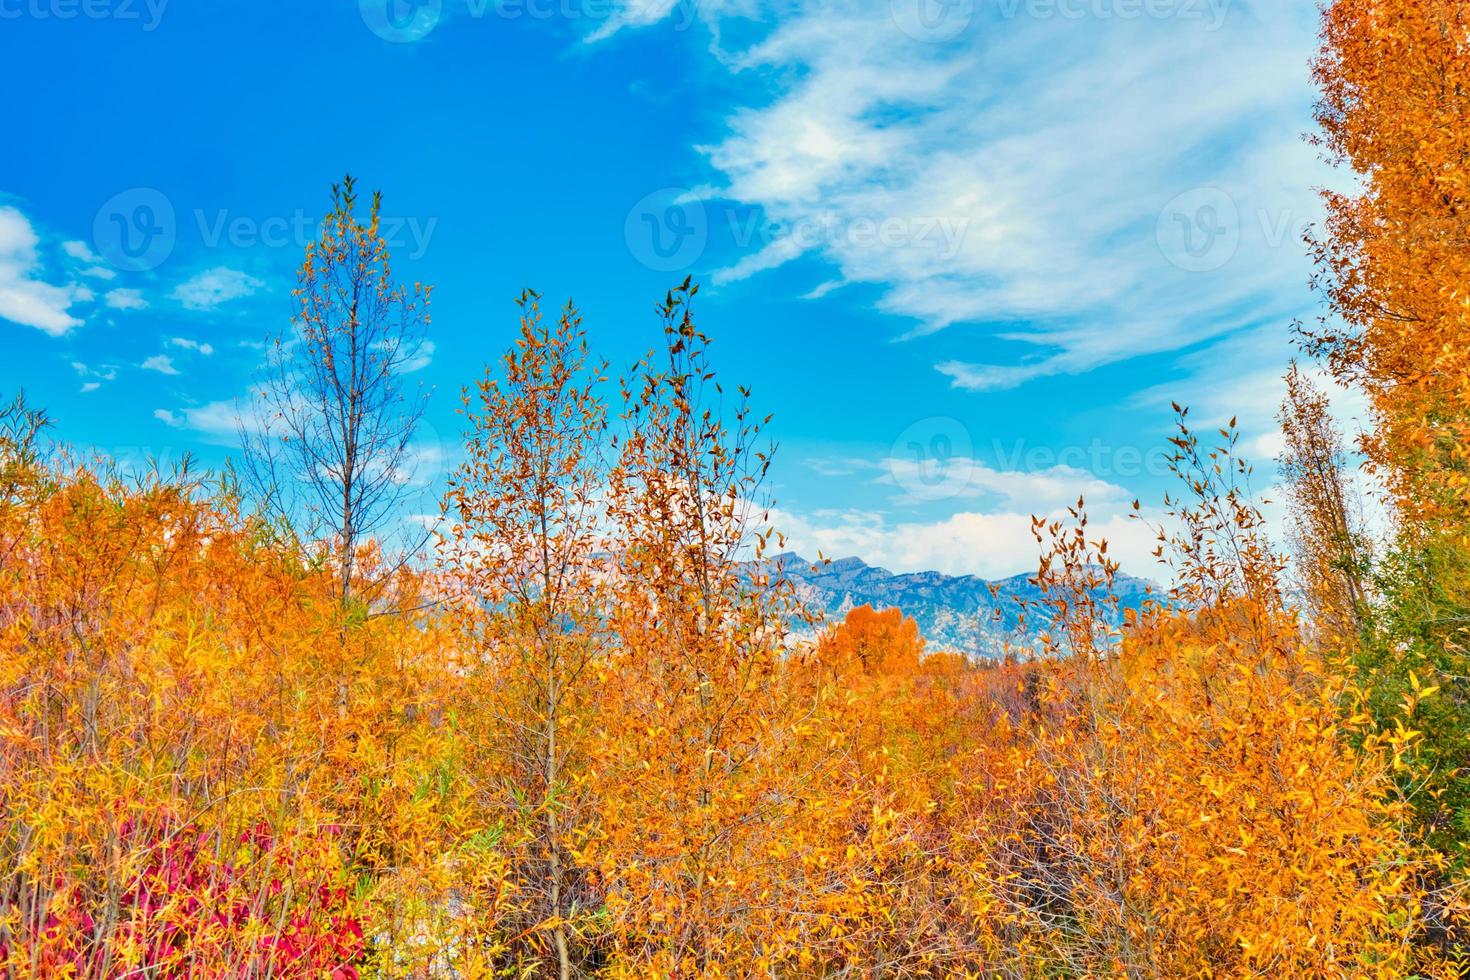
(1177, 785)
(1421, 692)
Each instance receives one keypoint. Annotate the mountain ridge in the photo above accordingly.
(961, 613)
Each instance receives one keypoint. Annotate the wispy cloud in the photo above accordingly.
(626, 14)
(1241, 378)
(964, 478)
(924, 477)
(106, 372)
(218, 421)
(94, 377)
(421, 358)
(1114, 186)
(214, 287)
(82, 252)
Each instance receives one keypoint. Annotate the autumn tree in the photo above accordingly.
(1395, 108)
(1332, 553)
(872, 642)
(329, 440)
(175, 795)
(1186, 797)
(523, 549)
(1392, 262)
(693, 769)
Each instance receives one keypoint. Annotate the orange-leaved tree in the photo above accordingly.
(524, 549)
(1395, 106)
(694, 773)
(1393, 261)
(1183, 796)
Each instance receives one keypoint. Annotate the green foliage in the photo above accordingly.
(1415, 640)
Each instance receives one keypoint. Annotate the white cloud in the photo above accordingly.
(423, 463)
(93, 377)
(626, 14)
(961, 478)
(186, 344)
(218, 421)
(124, 299)
(995, 377)
(925, 478)
(990, 536)
(81, 251)
(161, 363)
(422, 357)
(1218, 387)
(823, 289)
(24, 298)
(214, 287)
(991, 545)
(1034, 167)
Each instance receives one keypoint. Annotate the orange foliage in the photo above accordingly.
(871, 642)
(1395, 81)
(597, 751)
(179, 793)
(585, 742)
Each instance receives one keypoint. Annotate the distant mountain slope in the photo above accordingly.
(954, 612)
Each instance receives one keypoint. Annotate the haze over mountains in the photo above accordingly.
(962, 613)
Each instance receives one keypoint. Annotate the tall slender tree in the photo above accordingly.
(329, 439)
(692, 760)
(1331, 552)
(523, 543)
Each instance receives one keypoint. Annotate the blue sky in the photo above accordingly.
(967, 251)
